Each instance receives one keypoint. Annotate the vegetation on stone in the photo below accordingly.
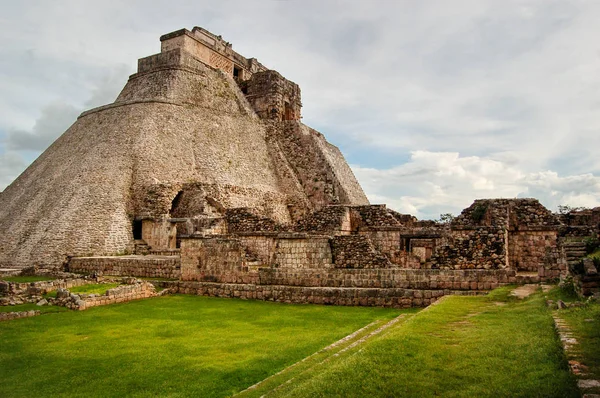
(27, 278)
(96, 288)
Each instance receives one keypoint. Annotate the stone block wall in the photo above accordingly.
(207, 257)
(387, 242)
(380, 216)
(142, 266)
(301, 252)
(532, 250)
(396, 298)
(426, 279)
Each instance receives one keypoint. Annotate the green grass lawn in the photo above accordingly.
(94, 288)
(494, 346)
(28, 279)
(176, 346)
(584, 322)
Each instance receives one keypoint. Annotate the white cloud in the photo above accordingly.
(54, 120)
(432, 183)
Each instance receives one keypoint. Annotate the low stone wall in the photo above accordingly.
(36, 288)
(7, 316)
(426, 279)
(168, 267)
(119, 294)
(393, 297)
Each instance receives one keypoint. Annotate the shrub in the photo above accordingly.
(479, 212)
(591, 244)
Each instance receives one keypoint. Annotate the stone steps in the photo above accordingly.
(141, 247)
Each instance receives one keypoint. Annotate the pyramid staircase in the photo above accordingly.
(574, 252)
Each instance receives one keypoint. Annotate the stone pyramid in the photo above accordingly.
(199, 129)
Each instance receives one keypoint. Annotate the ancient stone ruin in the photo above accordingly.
(202, 174)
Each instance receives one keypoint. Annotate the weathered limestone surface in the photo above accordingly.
(377, 297)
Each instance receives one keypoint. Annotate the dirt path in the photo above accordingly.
(524, 291)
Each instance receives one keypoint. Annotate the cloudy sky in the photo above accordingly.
(434, 103)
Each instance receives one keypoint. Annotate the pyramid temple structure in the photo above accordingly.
(201, 172)
(198, 129)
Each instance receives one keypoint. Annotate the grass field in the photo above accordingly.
(494, 346)
(94, 288)
(180, 346)
(584, 322)
(27, 279)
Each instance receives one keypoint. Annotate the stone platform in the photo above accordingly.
(151, 266)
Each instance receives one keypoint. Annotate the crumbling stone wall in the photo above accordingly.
(586, 278)
(38, 288)
(380, 216)
(332, 220)
(119, 294)
(356, 251)
(272, 96)
(501, 233)
(388, 242)
(476, 248)
(580, 223)
(243, 220)
(319, 168)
